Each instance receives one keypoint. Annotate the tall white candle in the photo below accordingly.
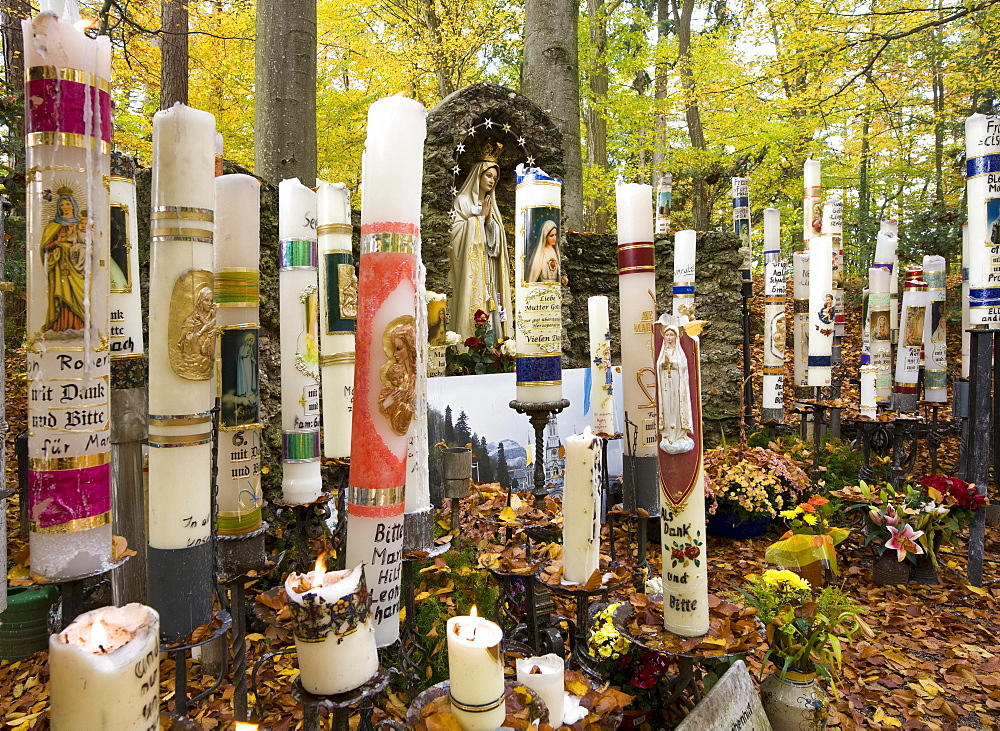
(538, 294)
(126, 300)
(869, 401)
(386, 361)
(67, 146)
(684, 287)
(911, 336)
(475, 670)
(581, 524)
(741, 223)
(880, 332)
(601, 397)
(237, 297)
(800, 319)
(833, 226)
(664, 194)
(821, 310)
(182, 339)
(637, 299)
(298, 292)
(681, 475)
(546, 676)
(338, 295)
(935, 331)
(772, 402)
(966, 319)
(887, 258)
(812, 202)
(105, 671)
(982, 165)
(332, 624)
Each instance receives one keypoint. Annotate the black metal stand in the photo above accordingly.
(71, 592)
(179, 652)
(538, 417)
(341, 704)
(983, 373)
(412, 653)
(583, 598)
(746, 292)
(306, 524)
(873, 437)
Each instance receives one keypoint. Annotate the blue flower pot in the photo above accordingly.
(731, 525)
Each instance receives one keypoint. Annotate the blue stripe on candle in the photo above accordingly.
(865, 359)
(683, 289)
(982, 165)
(819, 360)
(539, 368)
(984, 297)
(738, 202)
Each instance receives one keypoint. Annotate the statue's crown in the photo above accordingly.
(491, 151)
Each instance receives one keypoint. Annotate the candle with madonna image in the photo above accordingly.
(821, 311)
(935, 331)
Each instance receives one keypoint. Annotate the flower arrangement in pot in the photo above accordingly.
(808, 547)
(483, 352)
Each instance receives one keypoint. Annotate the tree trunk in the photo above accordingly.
(692, 114)
(285, 107)
(173, 53)
(660, 89)
(550, 76)
(597, 125)
(866, 230)
(12, 12)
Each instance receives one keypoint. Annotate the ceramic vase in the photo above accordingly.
(794, 702)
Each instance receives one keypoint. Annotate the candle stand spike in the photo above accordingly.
(456, 469)
(306, 523)
(538, 416)
(641, 495)
(872, 437)
(984, 372)
(179, 655)
(341, 704)
(588, 601)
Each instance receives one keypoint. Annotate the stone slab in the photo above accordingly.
(732, 705)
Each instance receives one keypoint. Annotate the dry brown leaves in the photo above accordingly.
(731, 629)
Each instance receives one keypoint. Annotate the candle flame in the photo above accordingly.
(472, 612)
(243, 726)
(85, 24)
(98, 635)
(320, 567)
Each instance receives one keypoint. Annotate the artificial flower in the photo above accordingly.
(471, 342)
(904, 541)
(480, 317)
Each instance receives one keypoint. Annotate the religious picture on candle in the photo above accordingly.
(776, 326)
(826, 312)
(913, 329)
(341, 292)
(63, 250)
(541, 236)
(307, 343)
(399, 374)
(121, 277)
(191, 331)
(437, 326)
(879, 325)
(239, 399)
(993, 221)
(939, 324)
(674, 395)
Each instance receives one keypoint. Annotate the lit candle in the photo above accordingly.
(68, 133)
(684, 258)
(105, 671)
(385, 372)
(880, 331)
(833, 226)
(437, 331)
(966, 320)
(581, 524)
(601, 398)
(982, 163)
(126, 300)
(821, 310)
(475, 669)
(298, 287)
(338, 294)
(869, 401)
(800, 320)
(545, 676)
(237, 296)
(910, 341)
(681, 475)
(538, 295)
(935, 338)
(182, 337)
(812, 203)
(637, 299)
(664, 193)
(773, 403)
(887, 258)
(332, 624)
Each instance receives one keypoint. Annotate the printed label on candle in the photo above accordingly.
(239, 466)
(541, 319)
(341, 292)
(437, 361)
(307, 344)
(310, 406)
(121, 274)
(191, 328)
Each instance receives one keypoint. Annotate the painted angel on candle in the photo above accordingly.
(480, 270)
(673, 395)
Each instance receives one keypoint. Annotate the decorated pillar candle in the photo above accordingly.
(773, 404)
(966, 320)
(385, 377)
(67, 138)
(538, 295)
(800, 320)
(682, 477)
(684, 288)
(104, 671)
(332, 624)
(982, 171)
(182, 340)
(581, 523)
(546, 676)
(812, 202)
(821, 310)
(741, 224)
(887, 258)
(437, 332)
(601, 397)
(880, 347)
(237, 297)
(833, 226)
(125, 304)
(935, 331)
(664, 194)
(869, 401)
(298, 292)
(475, 670)
(338, 313)
(911, 338)
(420, 532)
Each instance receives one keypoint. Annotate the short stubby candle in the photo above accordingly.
(332, 624)
(105, 671)
(545, 676)
(475, 670)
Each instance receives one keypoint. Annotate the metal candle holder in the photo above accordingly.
(538, 416)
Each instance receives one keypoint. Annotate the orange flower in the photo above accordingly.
(808, 508)
(818, 500)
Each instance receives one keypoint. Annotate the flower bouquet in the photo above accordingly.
(808, 546)
(483, 353)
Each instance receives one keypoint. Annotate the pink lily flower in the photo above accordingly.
(904, 541)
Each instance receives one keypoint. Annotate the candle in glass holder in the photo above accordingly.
(332, 624)
(338, 295)
(772, 403)
(821, 311)
(105, 671)
(982, 164)
(581, 523)
(545, 676)
(475, 670)
(602, 401)
(538, 294)
(935, 331)
(684, 287)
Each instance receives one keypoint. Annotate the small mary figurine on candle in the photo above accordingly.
(673, 395)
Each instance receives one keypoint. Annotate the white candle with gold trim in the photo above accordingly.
(880, 332)
(126, 299)
(475, 670)
(935, 331)
(911, 337)
(602, 401)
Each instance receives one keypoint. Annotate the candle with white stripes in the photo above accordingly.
(935, 331)
(237, 296)
(820, 311)
(338, 313)
(298, 292)
(684, 287)
(772, 404)
(880, 347)
(911, 338)
(982, 164)
(182, 339)
(538, 280)
(67, 146)
(385, 371)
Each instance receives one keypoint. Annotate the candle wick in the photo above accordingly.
(101, 648)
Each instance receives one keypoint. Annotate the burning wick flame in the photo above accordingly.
(85, 24)
(319, 570)
(99, 635)
(472, 612)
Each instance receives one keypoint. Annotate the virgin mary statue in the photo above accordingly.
(480, 272)
(674, 395)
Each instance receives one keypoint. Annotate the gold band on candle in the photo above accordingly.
(184, 212)
(55, 73)
(388, 243)
(179, 419)
(157, 233)
(336, 358)
(374, 497)
(66, 139)
(55, 464)
(184, 440)
(539, 383)
(480, 708)
(74, 526)
(334, 228)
